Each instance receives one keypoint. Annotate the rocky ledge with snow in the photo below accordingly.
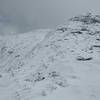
(53, 64)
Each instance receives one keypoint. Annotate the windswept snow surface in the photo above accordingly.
(61, 64)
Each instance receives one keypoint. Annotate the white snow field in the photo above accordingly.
(60, 64)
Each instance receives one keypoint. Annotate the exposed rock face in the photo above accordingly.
(87, 19)
(31, 62)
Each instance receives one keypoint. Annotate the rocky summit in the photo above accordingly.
(63, 63)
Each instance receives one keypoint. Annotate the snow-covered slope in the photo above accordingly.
(56, 64)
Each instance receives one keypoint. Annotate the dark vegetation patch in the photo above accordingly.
(62, 29)
(84, 59)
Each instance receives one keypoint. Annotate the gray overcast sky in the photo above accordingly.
(45, 13)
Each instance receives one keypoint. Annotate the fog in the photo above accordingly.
(25, 15)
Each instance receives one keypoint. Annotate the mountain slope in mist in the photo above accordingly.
(53, 64)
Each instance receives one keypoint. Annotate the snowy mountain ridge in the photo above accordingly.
(35, 65)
